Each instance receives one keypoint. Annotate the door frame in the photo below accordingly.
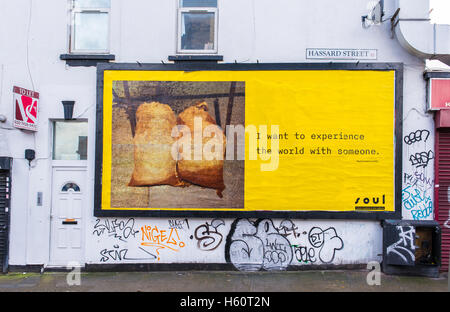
(68, 165)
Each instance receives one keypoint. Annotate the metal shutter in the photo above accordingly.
(442, 206)
(4, 218)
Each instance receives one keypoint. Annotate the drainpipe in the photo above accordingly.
(412, 27)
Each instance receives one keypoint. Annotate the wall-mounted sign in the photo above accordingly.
(341, 54)
(439, 93)
(25, 108)
(248, 140)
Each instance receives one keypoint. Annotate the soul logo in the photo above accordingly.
(370, 203)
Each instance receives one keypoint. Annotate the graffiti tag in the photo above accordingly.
(161, 239)
(416, 136)
(418, 202)
(418, 179)
(117, 228)
(118, 254)
(178, 224)
(421, 159)
(404, 246)
(208, 236)
(252, 246)
(324, 243)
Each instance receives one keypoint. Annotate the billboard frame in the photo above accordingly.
(212, 66)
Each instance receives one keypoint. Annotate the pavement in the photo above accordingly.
(218, 281)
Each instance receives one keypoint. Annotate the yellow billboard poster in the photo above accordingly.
(248, 140)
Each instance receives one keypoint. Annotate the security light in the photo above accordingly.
(29, 155)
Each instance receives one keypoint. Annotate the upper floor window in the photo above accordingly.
(197, 26)
(89, 26)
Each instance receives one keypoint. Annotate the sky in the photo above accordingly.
(440, 13)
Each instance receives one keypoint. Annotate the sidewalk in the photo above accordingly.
(219, 281)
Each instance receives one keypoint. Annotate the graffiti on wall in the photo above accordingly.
(208, 236)
(417, 201)
(120, 232)
(120, 229)
(257, 245)
(178, 224)
(416, 136)
(252, 246)
(117, 254)
(418, 179)
(417, 192)
(323, 246)
(161, 239)
(404, 247)
(249, 245)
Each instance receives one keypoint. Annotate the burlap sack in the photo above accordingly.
(153, 161)
(206, 173)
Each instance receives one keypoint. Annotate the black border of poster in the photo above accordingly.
(188, 67)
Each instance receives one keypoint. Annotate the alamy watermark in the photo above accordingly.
(374, 276)
(73, 278)
(193, 147)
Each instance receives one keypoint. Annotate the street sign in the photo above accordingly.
(341, 54)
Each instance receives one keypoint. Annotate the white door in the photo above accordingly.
(68, 202)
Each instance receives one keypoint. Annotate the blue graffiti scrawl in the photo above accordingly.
(418, 202)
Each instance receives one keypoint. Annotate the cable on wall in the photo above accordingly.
(28, 43)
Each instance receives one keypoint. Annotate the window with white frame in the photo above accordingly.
(197, 26)
(70, 139)
(89, 31)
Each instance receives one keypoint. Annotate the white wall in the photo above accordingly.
(192, 240)
(145, 31)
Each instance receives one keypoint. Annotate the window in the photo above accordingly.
(70, 140)
(89, 26)
(70, 186)
(197, 26)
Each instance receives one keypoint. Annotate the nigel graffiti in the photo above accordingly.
(152, 236)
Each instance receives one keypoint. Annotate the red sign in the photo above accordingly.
(440, 93)
(25, 109)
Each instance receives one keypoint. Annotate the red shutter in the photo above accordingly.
(442, 205)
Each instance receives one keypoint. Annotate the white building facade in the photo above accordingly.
(48, 47)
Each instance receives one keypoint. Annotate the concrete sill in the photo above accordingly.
(86, 59)
(195, 58)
